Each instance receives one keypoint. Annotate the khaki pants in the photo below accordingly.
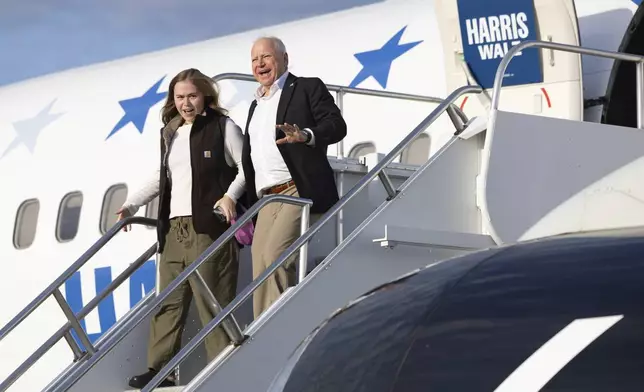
(182, 247)
(278, 226)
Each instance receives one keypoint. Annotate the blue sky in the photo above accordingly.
(44, 36)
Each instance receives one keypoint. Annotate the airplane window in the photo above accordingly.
(152, 210)
(24, 230)
(417, 152)
(69, 216)
(362, 149)
(113, 200)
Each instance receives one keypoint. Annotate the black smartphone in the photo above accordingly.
(219, 214)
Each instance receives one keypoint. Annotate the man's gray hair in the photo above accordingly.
(277, 43)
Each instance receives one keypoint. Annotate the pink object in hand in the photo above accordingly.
(244, 234)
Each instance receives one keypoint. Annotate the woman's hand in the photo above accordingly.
(123, 213)
(227, 206)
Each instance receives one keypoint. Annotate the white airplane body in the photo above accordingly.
(80, 132)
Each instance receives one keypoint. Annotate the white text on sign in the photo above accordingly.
(495, 35)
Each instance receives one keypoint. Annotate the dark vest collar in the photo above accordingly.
(170, 129)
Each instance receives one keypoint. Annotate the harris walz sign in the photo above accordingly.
(489, 29)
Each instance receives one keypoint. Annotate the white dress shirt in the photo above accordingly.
(270, 168)
(180, 172)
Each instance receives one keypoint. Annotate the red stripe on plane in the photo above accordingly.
(547, 97)
(463, 103)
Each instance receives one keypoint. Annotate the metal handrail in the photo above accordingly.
(503, 65)
(456, 115)
(377, 171)
(132, 313)
(337, 88)
(129, 324)
(453, 110)
(64, 330)
(135, 220)
(230, 326)
(74, 320)
(498, 84)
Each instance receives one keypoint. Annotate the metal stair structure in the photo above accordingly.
(463, 199)
(105, 358)
(93, 371)
(359, 263)
(506, 178)
(352, 268)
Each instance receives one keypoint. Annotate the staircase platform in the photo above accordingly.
(413, 236)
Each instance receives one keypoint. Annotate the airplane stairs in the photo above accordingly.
(120, 352)
(350, 269)
(511, 178)
(507, 178)
(433, 216)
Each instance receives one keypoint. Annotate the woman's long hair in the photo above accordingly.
(203, 83)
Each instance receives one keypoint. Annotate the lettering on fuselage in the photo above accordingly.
(141, 282)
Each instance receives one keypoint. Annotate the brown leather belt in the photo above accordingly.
(279, 188)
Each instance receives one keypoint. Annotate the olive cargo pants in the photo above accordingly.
(182, 247)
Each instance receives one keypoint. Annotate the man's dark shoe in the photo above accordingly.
(142, 380)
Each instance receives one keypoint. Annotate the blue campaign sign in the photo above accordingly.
(489, 29)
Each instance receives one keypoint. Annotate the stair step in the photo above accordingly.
(400, 235)
(164, 389)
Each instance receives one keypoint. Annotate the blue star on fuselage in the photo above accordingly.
(136, 109)
(28, 131)
(377, 63)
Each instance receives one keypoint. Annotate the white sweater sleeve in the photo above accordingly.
(234, 141)
(148, 191)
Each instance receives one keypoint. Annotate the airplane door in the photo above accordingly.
(539, 81)
(621, 101)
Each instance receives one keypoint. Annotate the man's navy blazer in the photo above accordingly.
(308, 103)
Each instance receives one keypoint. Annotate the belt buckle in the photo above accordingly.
(279, 187)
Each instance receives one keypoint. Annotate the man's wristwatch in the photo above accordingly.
(308, 136)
